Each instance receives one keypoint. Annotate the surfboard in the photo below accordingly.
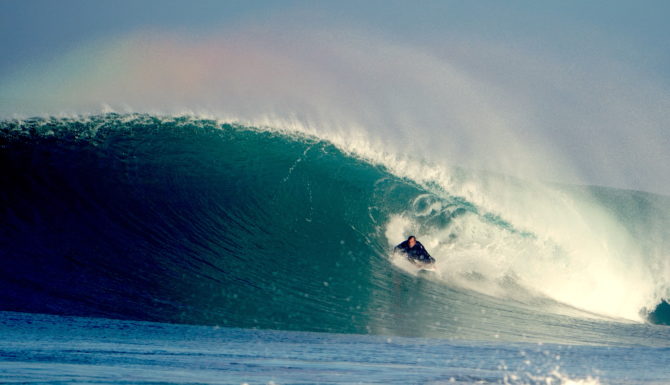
(430, 267)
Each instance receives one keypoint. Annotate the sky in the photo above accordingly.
(568, 91)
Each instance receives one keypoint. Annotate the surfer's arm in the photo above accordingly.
(425, 255)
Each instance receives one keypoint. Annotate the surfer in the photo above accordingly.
(415, 251)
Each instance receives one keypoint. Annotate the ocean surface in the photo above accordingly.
(56, 349)
(138, 248)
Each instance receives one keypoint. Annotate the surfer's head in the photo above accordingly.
(411, 241)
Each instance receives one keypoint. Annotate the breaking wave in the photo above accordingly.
(180, 219)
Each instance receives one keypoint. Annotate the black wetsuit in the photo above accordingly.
(416, 253)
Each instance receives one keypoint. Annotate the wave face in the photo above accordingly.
(175, 219)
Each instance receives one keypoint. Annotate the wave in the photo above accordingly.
(180, 219)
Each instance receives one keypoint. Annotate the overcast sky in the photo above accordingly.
(571, 91)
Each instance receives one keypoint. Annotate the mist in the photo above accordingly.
(460, 101)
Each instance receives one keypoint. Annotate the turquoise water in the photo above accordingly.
(226, 229)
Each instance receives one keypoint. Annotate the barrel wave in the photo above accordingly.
(185, 220)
